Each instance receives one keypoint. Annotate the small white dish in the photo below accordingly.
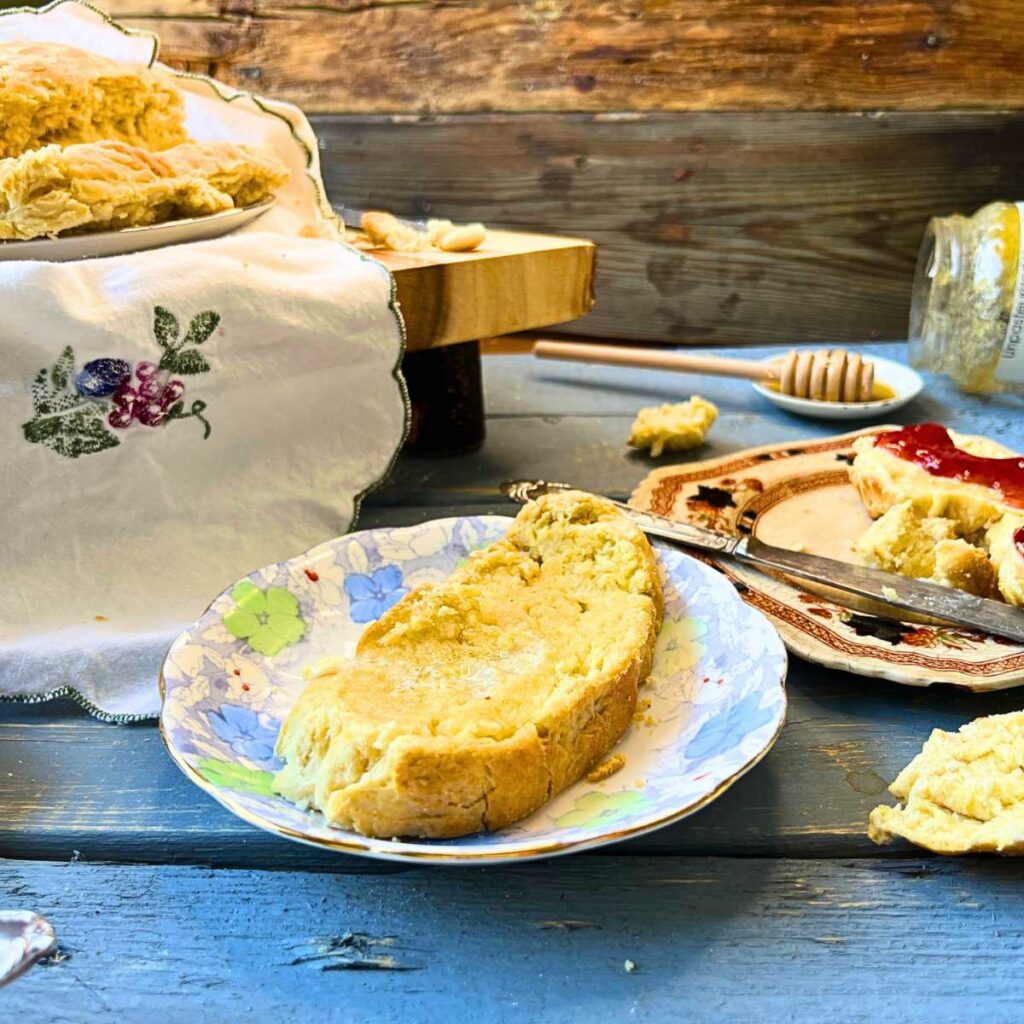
(118, 243)
(905, 382)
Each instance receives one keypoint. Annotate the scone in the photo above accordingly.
(907, 541)
(472, 702)
(99, 186)
(886, 472)
(673, 427)
(949, 508)
(52, 93)
(1005, 543)
(963, 793)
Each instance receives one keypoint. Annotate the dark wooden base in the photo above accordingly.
(446, 395)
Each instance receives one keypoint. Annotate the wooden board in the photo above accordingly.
(716, 228)
(711, 940)
(436, 56)
(70, 783)
(513, 282)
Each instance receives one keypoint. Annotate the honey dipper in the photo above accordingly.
(824, 375)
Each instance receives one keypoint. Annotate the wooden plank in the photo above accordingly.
(514, 282)
(570, 422)
(723, 227)
(596, 55)
(521, 386)
(710, 940)
(70, 783)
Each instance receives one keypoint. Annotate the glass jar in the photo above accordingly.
(966, 311)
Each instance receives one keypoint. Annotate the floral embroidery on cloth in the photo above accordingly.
(82, 413)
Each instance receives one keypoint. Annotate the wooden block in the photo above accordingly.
(514, 282)
(435, 56)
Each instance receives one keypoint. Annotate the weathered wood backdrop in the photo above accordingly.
(752, 171)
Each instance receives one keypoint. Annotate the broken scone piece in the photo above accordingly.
(964, 793)
(383, 230)
(99, 186)
(908, 541)
(1005, 542)
(673, 428)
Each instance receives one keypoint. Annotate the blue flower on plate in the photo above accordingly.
(247, 733)
(371, 596)
(728, 728)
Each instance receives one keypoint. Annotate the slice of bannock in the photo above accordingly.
(964, 793)
(472, 702)
(101, 186)
(883, 479)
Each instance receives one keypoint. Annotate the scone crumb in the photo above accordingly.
(383, 230)
(673, 428)
(639, 716)
(607, 767)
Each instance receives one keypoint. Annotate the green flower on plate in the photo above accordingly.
(268, 620)
(597, 808)
(227, 775)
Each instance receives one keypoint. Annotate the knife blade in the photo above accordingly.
(897, 592)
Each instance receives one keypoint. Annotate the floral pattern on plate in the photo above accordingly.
(798, 495)
(711, 708)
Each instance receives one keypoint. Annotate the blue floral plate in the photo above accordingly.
(711, 709)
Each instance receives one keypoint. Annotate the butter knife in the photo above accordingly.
(898, 592)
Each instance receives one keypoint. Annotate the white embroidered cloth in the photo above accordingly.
(174, 419)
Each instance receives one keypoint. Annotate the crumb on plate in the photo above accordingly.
(607, 767)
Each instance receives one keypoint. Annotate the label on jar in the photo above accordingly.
(1010, 368)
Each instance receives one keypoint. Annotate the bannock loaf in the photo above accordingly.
(472, 702)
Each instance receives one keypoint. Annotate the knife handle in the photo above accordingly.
(683, 533)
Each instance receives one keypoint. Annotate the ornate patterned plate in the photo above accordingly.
(711, 709)
(798, 496)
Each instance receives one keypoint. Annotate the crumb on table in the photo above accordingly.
(673, 428)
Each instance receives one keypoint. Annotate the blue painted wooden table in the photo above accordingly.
(769, 905)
